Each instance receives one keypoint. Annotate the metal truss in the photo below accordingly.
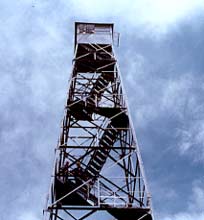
(97, 167)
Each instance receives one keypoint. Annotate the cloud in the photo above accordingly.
(185, 216)
(175, 93)
(28, 216)
(155, 16)
(177, 98)
(197, 200)
(37, 46)
(163, 12)
(190, 134)
(195, 206)
(157, 95)
(192, 140)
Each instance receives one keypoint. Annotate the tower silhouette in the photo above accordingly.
(98, 171)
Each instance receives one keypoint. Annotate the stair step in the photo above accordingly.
(90, 101)
(99, 87)
(94, 172)
(107, 139)
(91, 170)
(95, 91)
(103, 143)
(84, 188)
(103, 81)
(99, 160)
(96, 163)
(90, 173)
(102, 159)
(99, 157)
(103, 153)
(106, 81)
(112, 130)
(95, 169)
(109, 136)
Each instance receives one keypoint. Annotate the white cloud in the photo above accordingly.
(195, 206)
(178, 97)
(175, 93)
(197, 200)
(165, 11)
(27, 216)
(184, 102)
(158, 15)
(185, 216)
(191, 139)
(192, 135)
(158, 96)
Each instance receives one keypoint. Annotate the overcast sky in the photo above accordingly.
(161, 58)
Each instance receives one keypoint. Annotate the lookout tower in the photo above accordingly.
(98, 167)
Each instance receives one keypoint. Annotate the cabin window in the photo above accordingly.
(86, 28)
(102, 29)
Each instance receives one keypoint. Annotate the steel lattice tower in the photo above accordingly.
(98, 167)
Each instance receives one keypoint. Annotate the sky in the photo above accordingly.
(161, 60)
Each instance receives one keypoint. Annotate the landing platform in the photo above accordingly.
(79, 198)
(82, 112)
(130, 213)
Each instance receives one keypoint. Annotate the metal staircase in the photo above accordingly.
(99, 88)
(100, 155)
